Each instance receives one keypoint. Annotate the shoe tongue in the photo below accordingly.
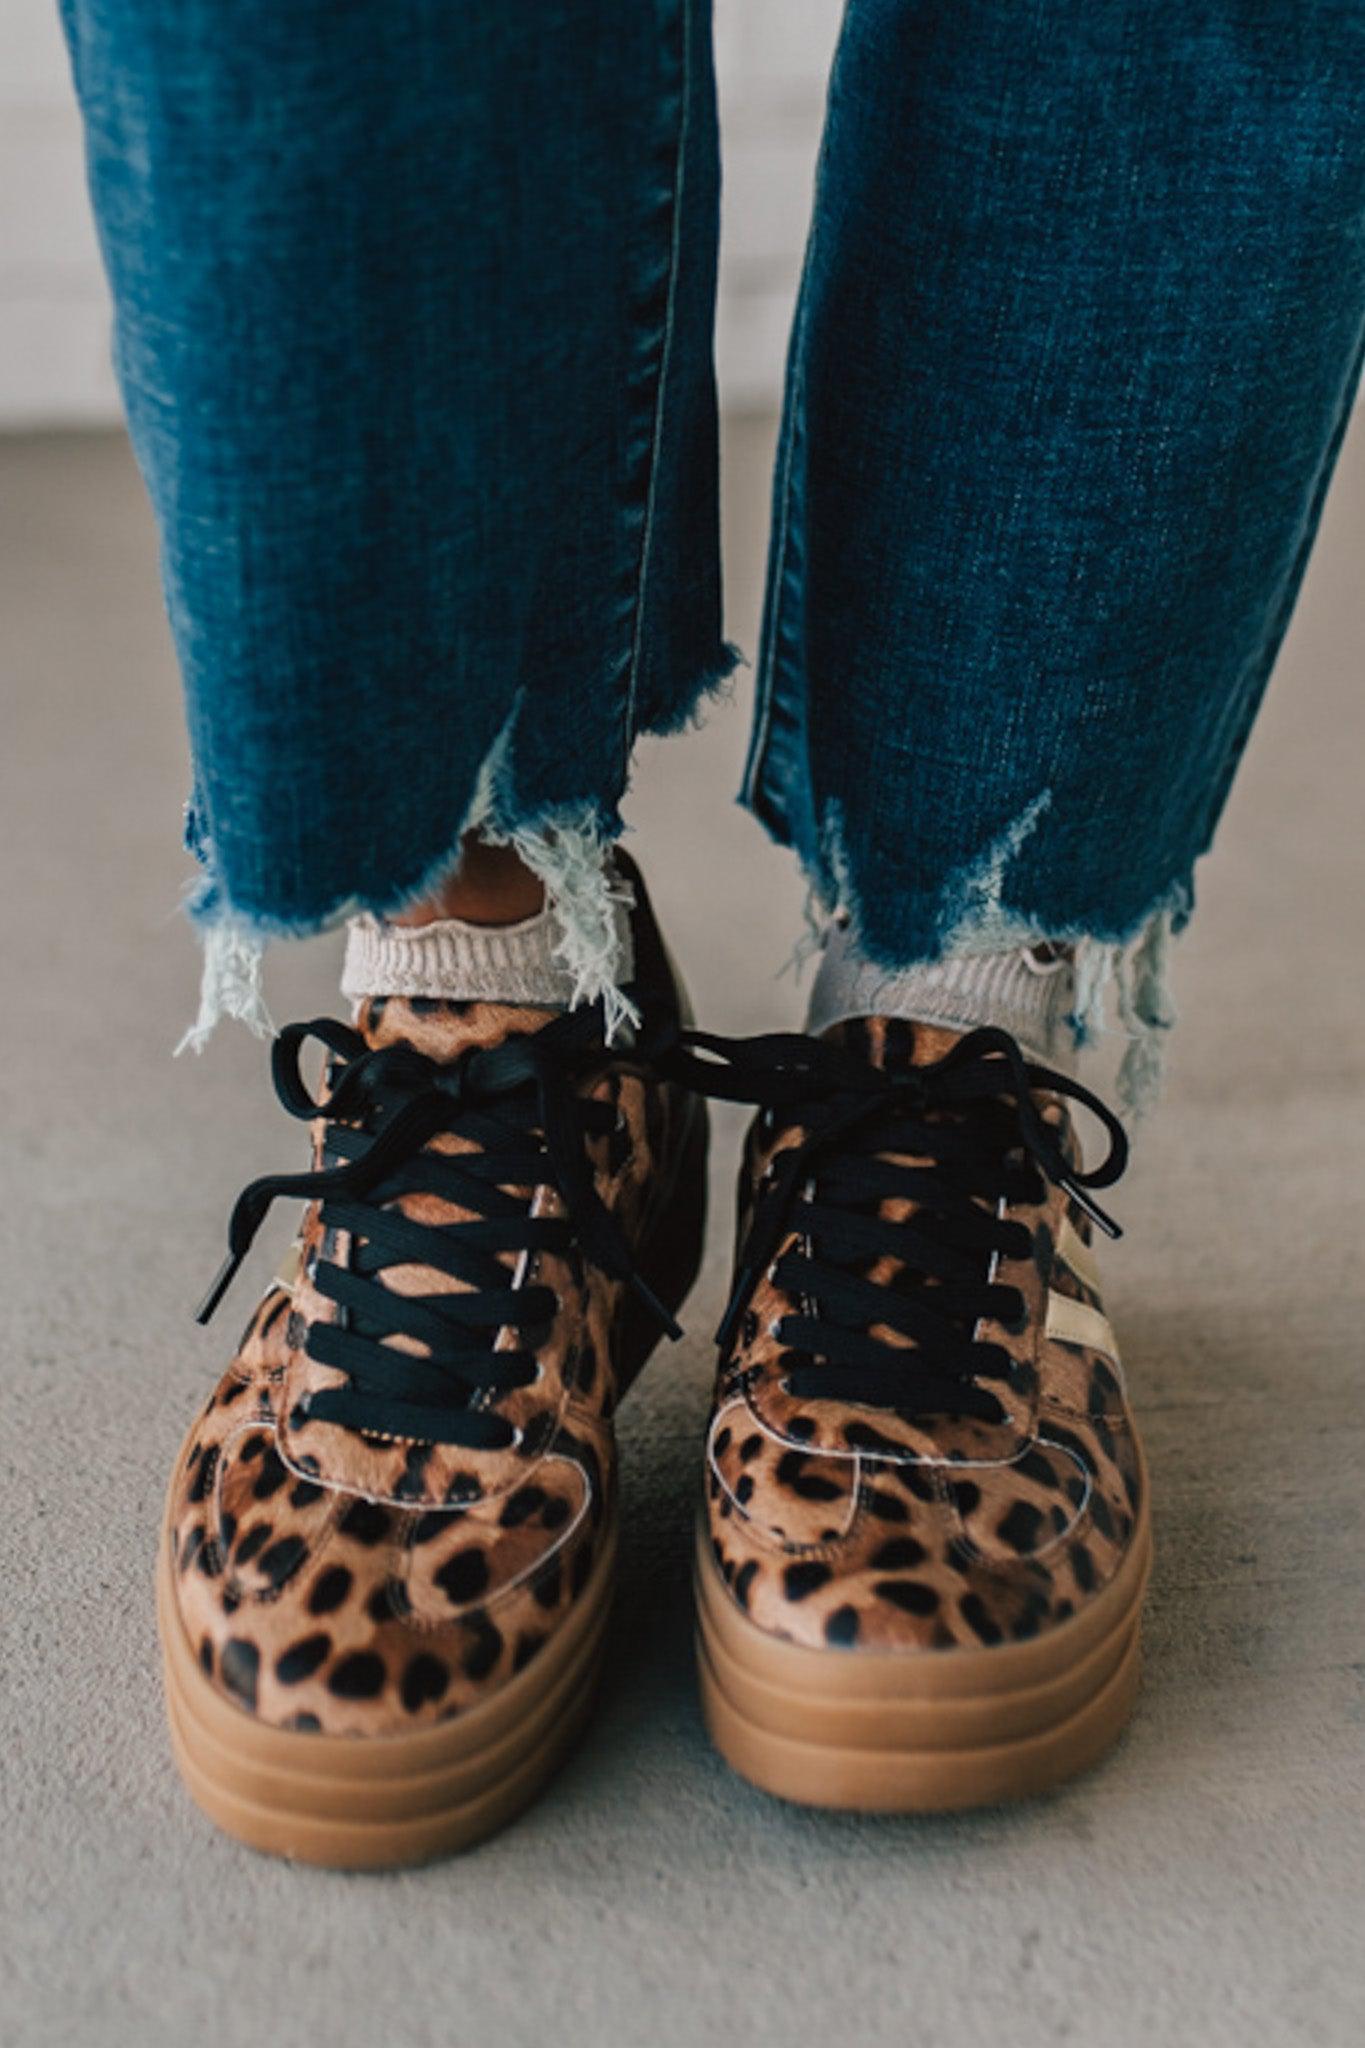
(443, 1028)
(893, 1043)
(417, 1475)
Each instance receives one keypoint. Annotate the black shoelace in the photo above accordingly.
(519, 1106)
(982, 1145)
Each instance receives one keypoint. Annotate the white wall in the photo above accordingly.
(772, 59)
(54, 319)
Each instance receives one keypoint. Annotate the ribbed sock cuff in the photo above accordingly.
(459, 962)
(1020, 993)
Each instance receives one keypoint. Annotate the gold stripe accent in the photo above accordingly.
(1072, 1247)
(1076, 1322)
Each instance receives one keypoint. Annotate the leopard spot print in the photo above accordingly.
(332, 1582)
(844, 1527)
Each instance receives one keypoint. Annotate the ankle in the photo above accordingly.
(491, 885)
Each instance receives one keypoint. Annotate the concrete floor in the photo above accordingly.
(1205, 1888)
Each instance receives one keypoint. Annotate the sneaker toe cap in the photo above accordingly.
(319, 1610)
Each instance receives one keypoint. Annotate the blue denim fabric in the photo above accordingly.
(414, 308)
(1080, 327)
(414, 325)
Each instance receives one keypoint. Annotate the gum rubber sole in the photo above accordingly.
(357, 1803)
(926, 1732)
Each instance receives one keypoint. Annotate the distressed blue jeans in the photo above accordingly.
(414, 323)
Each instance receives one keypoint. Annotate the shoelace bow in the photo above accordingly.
(519, 1105)
(971, 1122)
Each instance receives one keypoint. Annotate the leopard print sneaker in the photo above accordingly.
(387, 1559)
(925, 1540)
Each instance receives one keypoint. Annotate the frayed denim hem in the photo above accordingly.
(716, 683)
(566, 846)
(1133, 962)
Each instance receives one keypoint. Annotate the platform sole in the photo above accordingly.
(372, 1802)
(919, 1732)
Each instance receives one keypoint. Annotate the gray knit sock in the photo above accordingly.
(506, 963)
(1021, 992)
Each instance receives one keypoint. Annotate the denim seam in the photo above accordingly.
(758, 749)
(661, 393)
